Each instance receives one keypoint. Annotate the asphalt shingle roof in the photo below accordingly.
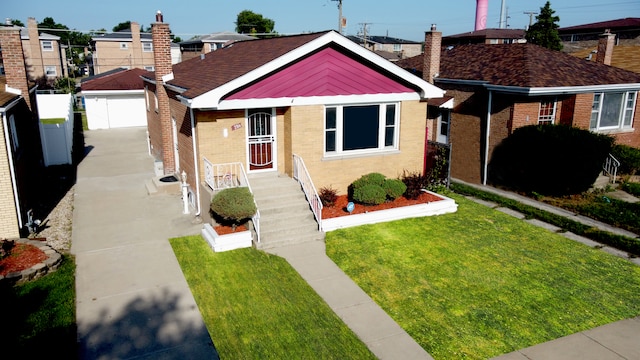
(119, 79)
(521, 65)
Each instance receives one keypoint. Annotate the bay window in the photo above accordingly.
(358, 129)
(612, 110)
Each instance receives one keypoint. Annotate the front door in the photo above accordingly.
(261, 140)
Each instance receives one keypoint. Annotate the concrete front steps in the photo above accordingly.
(285, 215)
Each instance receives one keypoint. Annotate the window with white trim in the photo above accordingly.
(612, 110)
(547, 113)
(124, 46)
(147, 47)
(47, 45)
(50, 71)
(356, 129)
(397, 47)
(149, 68)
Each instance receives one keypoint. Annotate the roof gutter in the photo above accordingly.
(536, 91)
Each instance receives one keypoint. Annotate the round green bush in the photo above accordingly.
(369, 179)
(234, 204)
(394, 188)
(369, 194)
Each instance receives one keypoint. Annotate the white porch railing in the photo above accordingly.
(610, 167)
(301, 174)
(223, 176)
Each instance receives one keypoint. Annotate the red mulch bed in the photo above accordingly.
(23, 256)
(340, 207)
(224, 229)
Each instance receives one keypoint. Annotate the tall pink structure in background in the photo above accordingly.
(481, 14)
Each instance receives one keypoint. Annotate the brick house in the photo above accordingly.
(20, 151)
(44, 55)
(400, 48)
(486, 36)
(499, 88)
(342, 109)
(208, 43)
(126, 49)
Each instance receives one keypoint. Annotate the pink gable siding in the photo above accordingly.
(327, 73)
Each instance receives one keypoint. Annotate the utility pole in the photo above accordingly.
(364, 33)
(530, 13)
(339, 15)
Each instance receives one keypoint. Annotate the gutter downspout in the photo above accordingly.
(12, 170)
(195, 161)
(485, 170)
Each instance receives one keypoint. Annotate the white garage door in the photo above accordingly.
(126, 111)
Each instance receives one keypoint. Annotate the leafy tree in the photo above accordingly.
(126, 25)
(75, 40)
(249, 22)
(177, 39)
(17, 22)
(545, 30)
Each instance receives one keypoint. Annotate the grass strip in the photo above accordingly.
(52, 121)
(479, 283)
(256, 306)
(39, 316)
(620, 242)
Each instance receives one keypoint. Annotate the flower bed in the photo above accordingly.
(428, 204)
(229, 241)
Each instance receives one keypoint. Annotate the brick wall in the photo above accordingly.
(306, 124)
(431, 56)
(153, 124)
(8, 216)
(13, 59)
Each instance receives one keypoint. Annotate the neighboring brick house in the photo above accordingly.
(578, 37)
(340, 107)
(126, 49)
(385, 45)
(208, 43)
(499, 88)
(486, 36)
(44, 55)
(20, 149)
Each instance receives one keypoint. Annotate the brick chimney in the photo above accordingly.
(13, 58)
(605, 47)
(160, 34)
(431, 55)
(34, 60)
(136, 46)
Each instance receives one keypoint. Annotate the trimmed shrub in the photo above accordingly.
(549, 159)
(629, 158)
(394, 188)
(369, 194)
(234, 205)
(375, 179)
(631, 188)
(328, 196)
(415, 182)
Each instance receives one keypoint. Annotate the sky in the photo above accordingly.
(403, 19)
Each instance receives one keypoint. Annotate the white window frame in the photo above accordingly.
(548, 118)
(147, 47)
(627, 111)
(124, 46)
(50, 71)
(397, 47)
(47, 45)
(149, 67)
(338, 131)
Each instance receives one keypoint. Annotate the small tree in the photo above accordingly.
(234, 205)
(249, 22)
(545, 31)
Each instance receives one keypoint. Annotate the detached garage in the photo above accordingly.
(115, 99)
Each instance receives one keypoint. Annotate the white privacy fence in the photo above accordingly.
(56, 127)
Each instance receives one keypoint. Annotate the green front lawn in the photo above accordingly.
(479, 283)
(38, 318)
(256, 306)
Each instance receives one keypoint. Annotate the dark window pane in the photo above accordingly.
(388, 136)
(391, 114)
(360, 127)
(330, 141)
(611, 108)
(330, 118)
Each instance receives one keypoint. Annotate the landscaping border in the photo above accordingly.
(36, 271)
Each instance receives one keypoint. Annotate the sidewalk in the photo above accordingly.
(132, 300)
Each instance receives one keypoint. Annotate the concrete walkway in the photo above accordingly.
(132, 299)
(382, 335)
